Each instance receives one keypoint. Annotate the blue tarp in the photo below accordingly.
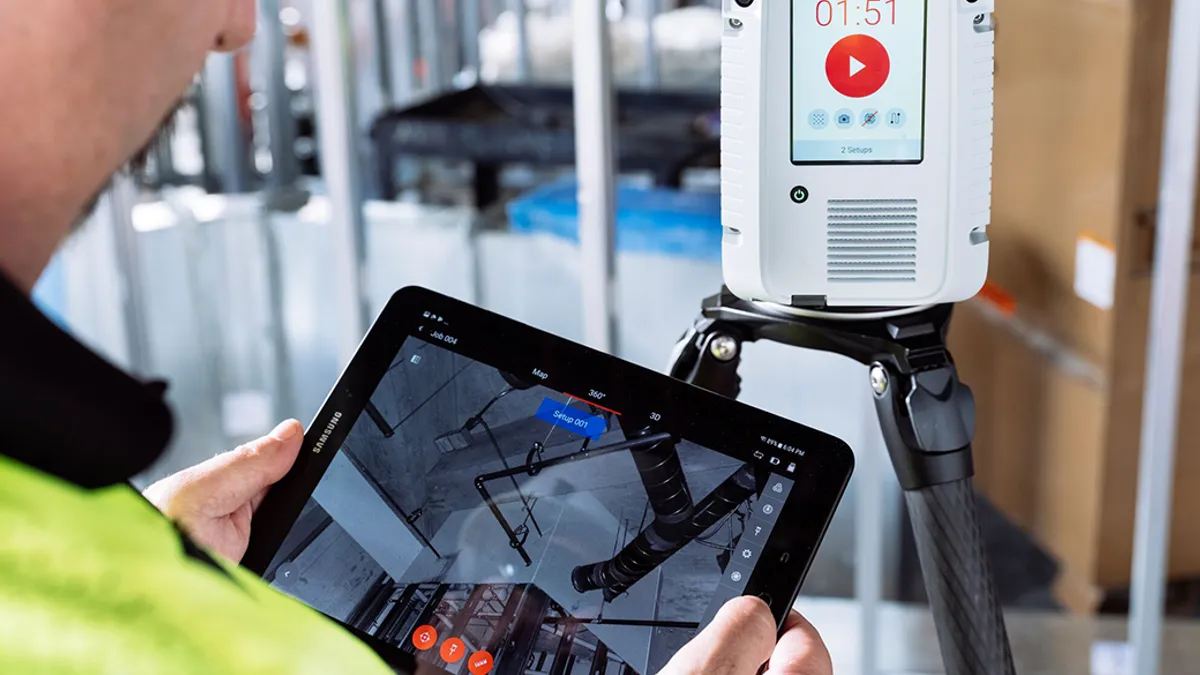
(648, 220)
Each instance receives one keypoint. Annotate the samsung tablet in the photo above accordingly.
(477, 496)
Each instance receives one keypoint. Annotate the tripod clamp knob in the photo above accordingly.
(928, 421)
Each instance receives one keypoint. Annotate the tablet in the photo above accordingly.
(477, 496)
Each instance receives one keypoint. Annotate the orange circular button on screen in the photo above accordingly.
(453, 650)
(424, 637)
(480, 663)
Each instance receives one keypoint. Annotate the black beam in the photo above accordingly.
(378, 419)
(522, 639)
(463, 618)
(321, 525)
(562, 655)
(504, 624)
(395, 619)
(431, 606)
(368, 608)
(599, 660)
(644, 623)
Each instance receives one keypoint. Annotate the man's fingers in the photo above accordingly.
(224, 483)
(800, 651)
(737, 642)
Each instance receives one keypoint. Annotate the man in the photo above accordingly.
(94, 579)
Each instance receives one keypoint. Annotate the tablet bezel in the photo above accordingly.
(696, 414)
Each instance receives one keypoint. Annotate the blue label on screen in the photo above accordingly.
(563, 415)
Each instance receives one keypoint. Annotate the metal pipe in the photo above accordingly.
(122, 197)
(399, 52)
(471, 25)
(651, 76)
(516, 542)
(227, 156)
(594, 116)
(658, 542)
(869, 548)
(281, 123)
(666, 486)
(504, 461)
(524, 61)
(578, 456)
(341, 169)
(1168, 323)
(429, 38)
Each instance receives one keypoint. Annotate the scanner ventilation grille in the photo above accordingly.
(871, 240)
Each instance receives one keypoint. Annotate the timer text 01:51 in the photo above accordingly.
(870, 12)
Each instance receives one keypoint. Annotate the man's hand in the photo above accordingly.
(213, 502)
(741, 639)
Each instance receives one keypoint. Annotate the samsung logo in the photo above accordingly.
(337, 417)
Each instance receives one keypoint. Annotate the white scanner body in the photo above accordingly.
(856, 151)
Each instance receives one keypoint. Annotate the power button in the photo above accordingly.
(799, 194)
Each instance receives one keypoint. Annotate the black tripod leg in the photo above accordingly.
(928, 422)
(962, 595)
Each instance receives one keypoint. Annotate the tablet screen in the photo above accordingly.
(487, 522)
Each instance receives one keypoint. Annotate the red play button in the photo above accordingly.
(858, 66)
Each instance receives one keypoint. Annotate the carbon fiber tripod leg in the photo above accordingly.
(967, 616)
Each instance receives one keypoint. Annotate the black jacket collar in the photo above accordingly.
(68, 412)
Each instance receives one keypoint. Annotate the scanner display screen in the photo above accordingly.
(858, 81)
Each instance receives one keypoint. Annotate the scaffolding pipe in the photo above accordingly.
(595, 167)
(1167, 328)
(341, 168)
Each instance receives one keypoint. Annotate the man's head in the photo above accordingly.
(86, 85)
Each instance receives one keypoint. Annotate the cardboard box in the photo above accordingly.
(1079, 105)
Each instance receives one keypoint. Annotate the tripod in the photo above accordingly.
(928, 421)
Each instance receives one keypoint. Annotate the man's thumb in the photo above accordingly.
(738, 641)
(234, 478)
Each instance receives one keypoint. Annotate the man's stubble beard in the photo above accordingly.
(135, 165)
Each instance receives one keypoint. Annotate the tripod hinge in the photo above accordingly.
(928, 421)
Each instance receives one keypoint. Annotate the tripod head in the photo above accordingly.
(856, 150)
(927, 414)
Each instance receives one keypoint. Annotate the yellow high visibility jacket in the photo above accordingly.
(97, 581)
